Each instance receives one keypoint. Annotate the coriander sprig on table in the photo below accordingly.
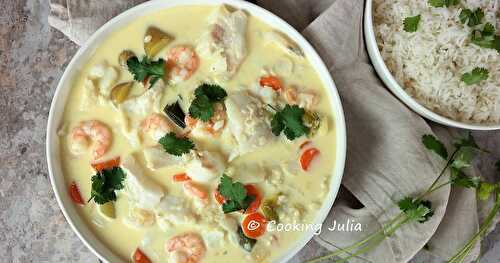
(420, 210)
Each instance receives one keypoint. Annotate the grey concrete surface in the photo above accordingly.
(32, 59)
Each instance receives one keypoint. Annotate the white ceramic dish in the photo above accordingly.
(392, 84)
(56, 112)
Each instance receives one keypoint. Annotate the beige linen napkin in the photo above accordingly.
(386, 160)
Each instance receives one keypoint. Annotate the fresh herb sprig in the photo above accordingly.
(145, 68)
(486, 38)
(475, 76)
(175, 145)
(206, 96)
(290, 121)
(420, 210)
(473, 18)
(105, 183)
(235, 195)
(410, 24)
(443, 3)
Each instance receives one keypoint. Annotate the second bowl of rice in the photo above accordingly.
(424, 68)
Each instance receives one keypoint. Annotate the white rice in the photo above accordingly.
(430, 62)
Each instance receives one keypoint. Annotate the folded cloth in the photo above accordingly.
(386, 160)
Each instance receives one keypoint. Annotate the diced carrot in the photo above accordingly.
(140, 257)
(190, 121)
(219, 198)
(106, 164)
(254, 225)
(307, 157)
(75, 195)
(254, 206)
(272, 82)
(182, 177)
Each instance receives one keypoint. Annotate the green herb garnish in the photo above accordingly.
(486, 38)
(235, 195)
(142, 69)
(416, 209)
(410, 24)
(474, 17)
(105, 183)
(290, 121)
(175, 145)
(206, 95)
(475, 76)
(442, 3)
(430, 142)
(245, 242)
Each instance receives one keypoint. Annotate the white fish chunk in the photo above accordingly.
(145, 104)
(225, 42)
(141, 191)
(157, 158)
(283, 41)
(247, 122)
(205, 166)
(174, 210)
(105, 77)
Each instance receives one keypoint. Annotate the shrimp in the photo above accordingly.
(187, 248)
(88, 132)
(182, 62)
(214, 126)
(303, 99)
(196, 190)
(156, 126)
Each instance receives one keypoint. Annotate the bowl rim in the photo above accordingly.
(58, 181)
(396, 89)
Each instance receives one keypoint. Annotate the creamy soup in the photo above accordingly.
(196, 131)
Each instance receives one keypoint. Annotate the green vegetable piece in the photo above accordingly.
(105, 183)
(411, 23)
(290, 120)
(269, 210)
(245, 242)
(142, 69)
(431, 143)
(475, 76)
(175, 145)
(476, 17)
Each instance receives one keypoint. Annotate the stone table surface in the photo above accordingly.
(32, 59)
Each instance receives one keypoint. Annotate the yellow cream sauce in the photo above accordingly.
(305, 189)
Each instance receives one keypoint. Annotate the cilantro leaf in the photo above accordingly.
(201, 108)
(105, 183)
(486, 38)
(464, 157)
(475, 76)
(206, 95)
(430, 142)
(410, 24)
(458, 178)
(235, 195)
(290, 121)
(175, 145)
(214, 92)
(474, 17)
(484, 191)
(245, 242)
(466, 142)
(146, 68)
(464, 15)
(442, 3)
(416, 209)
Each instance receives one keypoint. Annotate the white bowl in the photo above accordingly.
(392, 84)
(56, 112)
